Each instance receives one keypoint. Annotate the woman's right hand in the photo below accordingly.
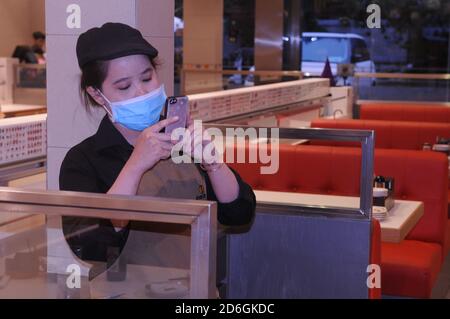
(152, 146)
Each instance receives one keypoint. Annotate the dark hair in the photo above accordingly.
(38, 35)
(94, 74)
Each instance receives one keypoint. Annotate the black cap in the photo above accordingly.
(111, 41)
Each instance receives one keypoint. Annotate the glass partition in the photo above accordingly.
(51, 246)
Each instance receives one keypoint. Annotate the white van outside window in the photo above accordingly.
(339, 48)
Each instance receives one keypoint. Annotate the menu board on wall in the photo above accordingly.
(222, 104)
(23, 138)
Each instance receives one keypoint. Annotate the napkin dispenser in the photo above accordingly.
(383, 198)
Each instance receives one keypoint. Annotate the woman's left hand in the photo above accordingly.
(202, 146)
(223, 181)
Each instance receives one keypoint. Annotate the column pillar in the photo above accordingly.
(269, 34)
(202, 44)
(68, 123)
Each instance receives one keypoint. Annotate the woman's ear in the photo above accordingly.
(96, 96)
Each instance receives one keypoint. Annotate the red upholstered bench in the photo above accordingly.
(410, 267)
(392, 134)
(405, 112)
(389, 134)
(408, 112)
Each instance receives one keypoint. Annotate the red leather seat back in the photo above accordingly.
(326, 170)
(405, 112)
(281, 181)
(388, 134)
(299, 167)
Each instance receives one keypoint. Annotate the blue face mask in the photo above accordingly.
(140, 112)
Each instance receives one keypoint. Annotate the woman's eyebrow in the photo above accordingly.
(127, 78)
(147, 70)
(120, 80)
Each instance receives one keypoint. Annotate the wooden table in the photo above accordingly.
(401, 218)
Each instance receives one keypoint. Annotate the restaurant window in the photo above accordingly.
(413, 38)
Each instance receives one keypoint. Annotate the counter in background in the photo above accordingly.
(16, 110)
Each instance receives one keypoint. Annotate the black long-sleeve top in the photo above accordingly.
(94, 165)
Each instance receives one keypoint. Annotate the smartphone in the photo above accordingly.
(177, 106)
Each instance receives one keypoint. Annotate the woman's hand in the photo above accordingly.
(222, 179)
(151, 147)
(201, 146)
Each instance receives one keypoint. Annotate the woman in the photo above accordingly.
(129, 154)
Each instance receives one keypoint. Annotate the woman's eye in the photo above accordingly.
(147, 80)
(124, 88)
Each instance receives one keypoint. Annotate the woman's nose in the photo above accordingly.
(140, 90)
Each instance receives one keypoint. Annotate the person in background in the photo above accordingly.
(39, 46)
(32, 54)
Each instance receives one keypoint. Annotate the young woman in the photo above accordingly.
(130, 154)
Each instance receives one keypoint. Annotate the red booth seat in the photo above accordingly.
(405, 112)
(389, 134)
(409, 267)
(399, 135)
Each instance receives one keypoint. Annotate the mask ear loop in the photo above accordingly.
(104, 107)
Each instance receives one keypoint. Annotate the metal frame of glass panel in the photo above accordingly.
(200, 215)
(366, 138)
